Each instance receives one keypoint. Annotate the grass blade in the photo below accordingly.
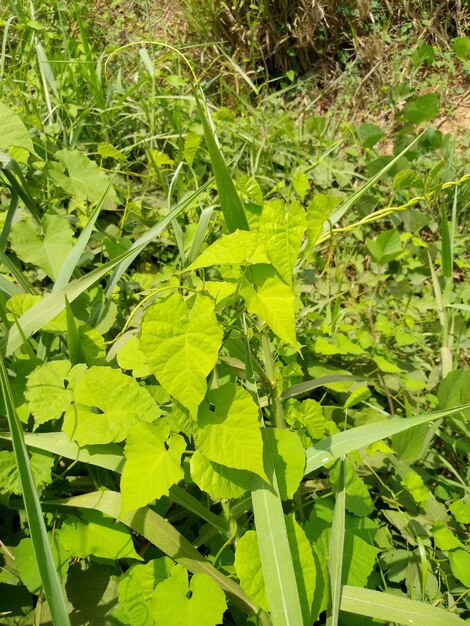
(386, 607)
(336, 549)
(37, 528)
(165, 537)
(342, 443)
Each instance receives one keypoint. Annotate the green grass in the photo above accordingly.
(242, 312)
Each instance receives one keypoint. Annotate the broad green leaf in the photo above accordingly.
(383, 606)
(460, 565)
(421, 109)
(407, 179)
(454, 390)
(242, 247)
(369, 134)
(282, 227)
(289, 459)
(318, 211)
(130, 357)
(300, 183)
(424, 54)
(340, 344)
(249, 569)
(461, 46)
(386, 247)
(153, 464)
(107, 403)
(201, 603)
(335, 446)
(228, 429)
(46, 394)
(136, 588)
(14, 133)
(158, 159)
(219, 481)
(47, 250)
(84, 180)
(358, 560)
(181, 340)
(357, 396)
(270, 298)
(444, 538)
(460, 509)
(414, 484)
(10, 480)
(26, 565)
(192, 141)
(309, 414)
(98, 535)
(358, 500)
(108, 151)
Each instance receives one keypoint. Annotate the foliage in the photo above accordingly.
(239, 399)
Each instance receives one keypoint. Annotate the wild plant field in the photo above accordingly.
(234, 302)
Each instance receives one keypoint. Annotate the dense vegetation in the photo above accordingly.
(234, 304)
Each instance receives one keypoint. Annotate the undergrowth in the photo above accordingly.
(235, 345)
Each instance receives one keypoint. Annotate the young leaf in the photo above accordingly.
(282, 228)
(386, 247)
(201, 603)
(98, 416)
(46, 394)
(47, 251)
(181, 340)
(229, 431)
(267, 296)
(243, 247)
(153, 464)
(14, 132)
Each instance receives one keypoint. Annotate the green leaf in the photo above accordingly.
(282, 227)
(229, 431)
(249, 569)
(242, 247)
(386, 247)
(84, 179)
(407, 179)
(416, 487)
(444, 538)
(97, 534)
(218, 480)
(270, 298)
(46, 394)
(359, 558)
(460, 565)
(461, 46)
(192, 141)
(318, 211)
(108, 151)
(358, 500)
(153, 464)
(424, 54)
(308, 413)
(421, 109)
(130, 357)
(181, 340)
(300, 183)
(10, 480)
(201, 603)
(382, 606)
(14, 132)
(288, 455)
(47, 250)
(460, 509)
(369, 134)
(136, 588)
(454, 390)
(334, 447)
(26, 565)
(107, 403)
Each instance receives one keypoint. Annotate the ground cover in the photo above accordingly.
(235, 339)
